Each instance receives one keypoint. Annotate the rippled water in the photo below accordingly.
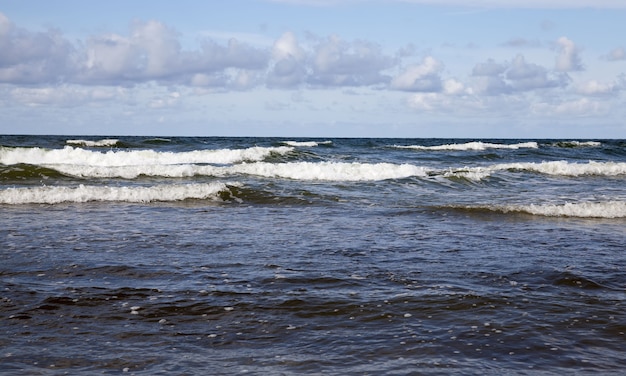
(425, 274)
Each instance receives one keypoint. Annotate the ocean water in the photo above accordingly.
(196, 256)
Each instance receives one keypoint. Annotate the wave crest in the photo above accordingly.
(306, 171)
(77, 156)
(107, 142)
(306, 143)
(603, 209)
(476, 145)
(87, 193)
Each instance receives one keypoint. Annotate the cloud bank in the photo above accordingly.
(46, 68)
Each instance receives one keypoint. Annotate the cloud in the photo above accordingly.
(521, 42)
(488, 68)
(616, 54)
(65, 95)
(576, 107)
(596, 88)
(336, 62)
(424, 77)
(523, 76)
(150, 52)
(31, 58)
(289, 68)
(518, 75)
(568, 59)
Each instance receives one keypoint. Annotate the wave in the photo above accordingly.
(604, 209)
(477, 145)
(307, 171)
(556, 168)
(332, 171)
(87, 193)
(157, 140)
(575, 144)
(24, 172)
(565, 168)
(107, 142)
(76, 156)
(306, 143)
(130, 165)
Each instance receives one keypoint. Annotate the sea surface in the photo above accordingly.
(284, 256)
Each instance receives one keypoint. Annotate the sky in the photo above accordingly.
(314, 68)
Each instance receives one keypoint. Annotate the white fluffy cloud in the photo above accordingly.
(150, 52)
(45, 68)
(289, 68)
(568, 58)
(424, 77)
(32, 58)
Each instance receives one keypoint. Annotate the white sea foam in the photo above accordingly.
(307, 171)
(338, 171)
(306, 143)
(477, 145)
(77, 156)
(565, 168)
(331, 171)
(100, 143)
(605, 209)
(133, 172)
(86, 193)
(556, 168)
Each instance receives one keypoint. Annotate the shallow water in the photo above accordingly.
(426, 274)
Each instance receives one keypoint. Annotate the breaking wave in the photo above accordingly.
(107, 142)
(77, 156)
(307, 171)
(306, 143)
(477, 145)
(604, 209)
(556, 168)
(87, 193)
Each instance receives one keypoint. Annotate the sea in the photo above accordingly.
(312, 256)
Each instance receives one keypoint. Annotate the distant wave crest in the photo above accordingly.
(477, 145)
(82, 157)
(576, 144)
(107, 142)
(306, 143)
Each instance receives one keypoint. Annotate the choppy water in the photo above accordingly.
(155, 256)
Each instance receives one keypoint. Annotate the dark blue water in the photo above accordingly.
(202, 256)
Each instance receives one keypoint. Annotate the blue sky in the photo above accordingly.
(319, 68)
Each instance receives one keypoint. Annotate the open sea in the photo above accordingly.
(283, 256)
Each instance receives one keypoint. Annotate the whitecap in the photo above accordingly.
(565, 168)
(100, 143)
(601, 209)
(476, 145)
(87, 193)
(306, 143)
(331, 171)
(605, 209)
(77, 156)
